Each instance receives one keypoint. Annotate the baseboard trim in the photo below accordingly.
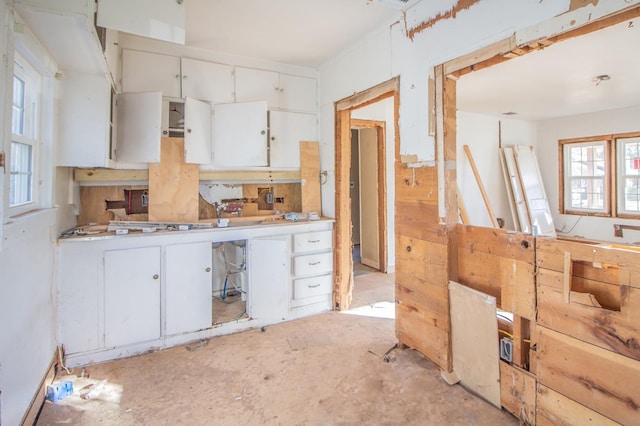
(31, 415)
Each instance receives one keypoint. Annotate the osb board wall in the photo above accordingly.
(93, 208)
(422, 300)
(500, 264)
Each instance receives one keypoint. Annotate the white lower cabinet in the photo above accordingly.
(122, 296)
(268, 261)
(312, 272)
(132, 296)
(188, 287)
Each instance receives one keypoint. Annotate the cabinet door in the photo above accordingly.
(132, 296)
(150, 72)
(207, 81)
(240, 134)
(258, 85)
(139, 127)
(112, 56)
(298, 93)
(268, 278)
(162, 20)
(85, 109)
(197, 132)
(188, 287)
(286, 130)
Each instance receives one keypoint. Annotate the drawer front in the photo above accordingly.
(314, 286)
(312, 241)
(313, 264)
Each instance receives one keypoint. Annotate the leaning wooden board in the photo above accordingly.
(173, 185)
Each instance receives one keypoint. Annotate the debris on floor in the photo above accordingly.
(196, 345)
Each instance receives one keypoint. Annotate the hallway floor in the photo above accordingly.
(326, 369)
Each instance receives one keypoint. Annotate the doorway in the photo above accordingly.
(343, 260)
(367, 203)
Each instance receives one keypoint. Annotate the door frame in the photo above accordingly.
(343, 260)
(381, 147)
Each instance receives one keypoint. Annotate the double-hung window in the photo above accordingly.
(600, 175)
(23, 185)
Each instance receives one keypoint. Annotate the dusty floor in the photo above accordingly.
(322, 370)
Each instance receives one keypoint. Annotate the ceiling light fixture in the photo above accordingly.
(600, 78)
(510, 113)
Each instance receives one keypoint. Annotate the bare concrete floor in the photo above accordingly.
(322, 370)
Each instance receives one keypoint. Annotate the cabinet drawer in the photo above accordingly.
(313, 264)
(314, 286)
(312, 241)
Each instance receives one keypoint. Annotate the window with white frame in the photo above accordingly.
(23, 188)
(585, 176)
(628, 175)
(601, 175)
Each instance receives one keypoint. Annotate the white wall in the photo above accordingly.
(600, 123)
(27, 258)
(480, 132)
(383, 111)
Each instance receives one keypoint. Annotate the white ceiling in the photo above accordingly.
(557, 81)
(297, 32)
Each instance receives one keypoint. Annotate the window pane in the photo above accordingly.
(587, 194)
(585, 176)
(17, 122)
(21, 181)
(629, 175)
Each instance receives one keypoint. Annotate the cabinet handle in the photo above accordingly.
(177, 75)
(314, 263)
(313, 241)
(208, 270)
(165, 132)
(262, 132)
(314, 286)
(184, 77)
(188, 130)
(156, 276)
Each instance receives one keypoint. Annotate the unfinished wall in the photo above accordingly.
(599, 123)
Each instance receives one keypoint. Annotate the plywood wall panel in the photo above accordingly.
(173, 185)
(417, 219)
(518, 393)
(555, 409)
(416, 184)
(597, 378)
(615, 331)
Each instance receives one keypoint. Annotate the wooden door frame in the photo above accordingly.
(381, 149)
(343, 260)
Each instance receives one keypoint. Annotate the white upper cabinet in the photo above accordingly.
(240, 134)
(176, 77)
(158, 19)
(298, 93)
(84, 120)
(257, 85)
(112, 55)
(197, 132)
(139, 122)
(207, 81)
(150, 72)
(281, 91)
(286, 130)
